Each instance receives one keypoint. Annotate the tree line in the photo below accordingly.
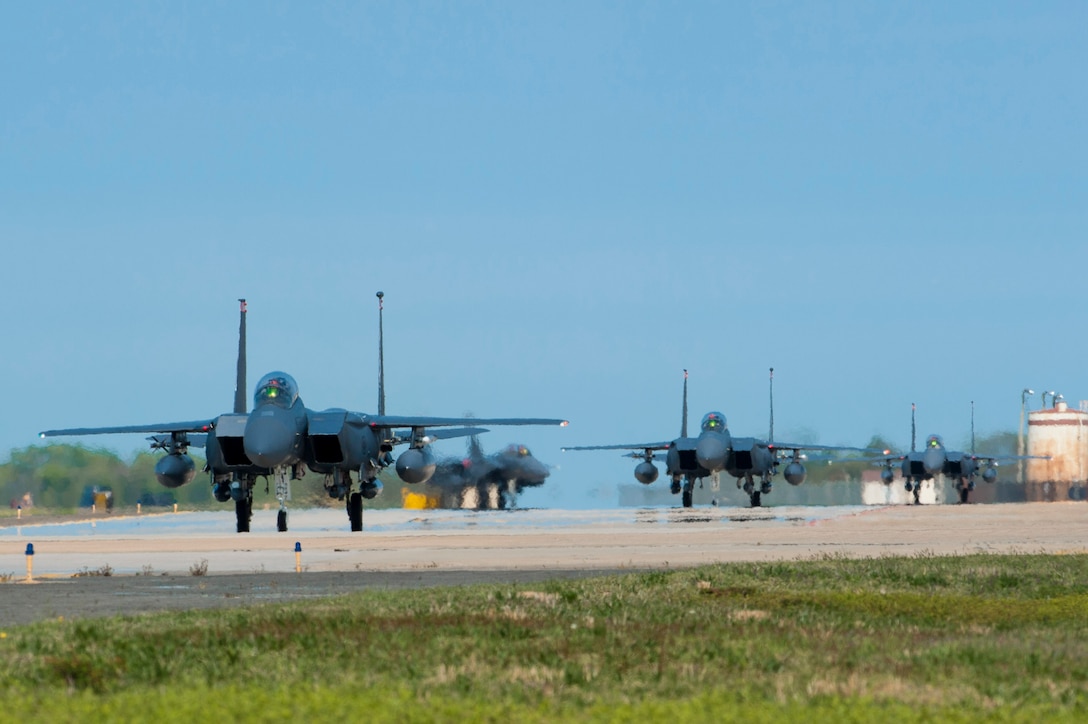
(60, 476)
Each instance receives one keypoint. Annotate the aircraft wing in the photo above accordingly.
(890, 458)
(824, 448)
(642, 446)
(995, 459)
(403, 421)
(162, 427)
(448, 433)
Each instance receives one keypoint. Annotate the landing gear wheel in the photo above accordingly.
(355, 512)
(917, 494)
(243, 511)
(756, 498)
(964, 492)
(281, 521)
(685, 499)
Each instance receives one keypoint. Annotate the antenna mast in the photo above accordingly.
(684, 422)
(381, 357)
(240, 376)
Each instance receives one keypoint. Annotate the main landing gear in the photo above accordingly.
(965, 486)
(242, 493)
(916, 488)
(755, 497)
(686, 490)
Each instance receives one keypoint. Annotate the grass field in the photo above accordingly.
(923, 638)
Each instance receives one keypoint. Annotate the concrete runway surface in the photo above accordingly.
(151, 557)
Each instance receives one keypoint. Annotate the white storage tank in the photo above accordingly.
(1062, 434)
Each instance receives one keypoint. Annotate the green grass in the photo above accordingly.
(950, 638)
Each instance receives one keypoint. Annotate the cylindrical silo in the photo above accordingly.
(1062, 434)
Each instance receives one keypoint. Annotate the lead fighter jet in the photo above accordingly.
(282, 437)
(748, 459)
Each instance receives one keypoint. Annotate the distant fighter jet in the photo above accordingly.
(488, 481)
(935, 459)
(747, 459)
(282, 437)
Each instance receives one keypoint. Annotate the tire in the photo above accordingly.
(355, 512)
(757, 499)
(686, 496)
(281, 521)
(964, 493)
(243, 512)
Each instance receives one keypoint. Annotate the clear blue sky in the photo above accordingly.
(565, 203)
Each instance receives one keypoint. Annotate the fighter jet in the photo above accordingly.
(935, 459)
(281, 438)
(488, 481)
(748, 459)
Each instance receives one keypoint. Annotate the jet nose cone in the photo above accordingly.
(535, 471)
(710, 451)
(270, 440)
(933, 461)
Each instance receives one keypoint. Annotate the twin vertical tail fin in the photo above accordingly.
(381, 357)
(240, 380)
(684, 422)
(770, 432)
(972, 427)
(912, 427)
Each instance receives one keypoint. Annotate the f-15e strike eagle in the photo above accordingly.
(753, 462)
(486, 482)
(281, 438)
(935, 459)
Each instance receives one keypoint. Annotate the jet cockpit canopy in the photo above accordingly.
(934, 441)
(278, 388)
(714, 422)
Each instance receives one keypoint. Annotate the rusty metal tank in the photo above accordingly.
(1062, 434)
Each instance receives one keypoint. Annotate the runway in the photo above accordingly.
(156, 554)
